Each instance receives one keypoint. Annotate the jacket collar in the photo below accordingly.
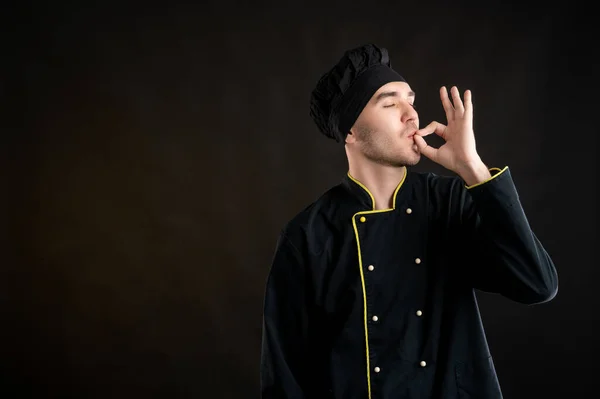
(364, 196)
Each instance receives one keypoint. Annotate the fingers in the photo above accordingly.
(425, 148)
(455, 108)
(447, 104)
(458, 104)
(468, 104)
(433, 127)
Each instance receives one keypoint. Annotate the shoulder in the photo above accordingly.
(313, 222)
(317, 209)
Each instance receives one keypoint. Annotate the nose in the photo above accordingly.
(409, 114)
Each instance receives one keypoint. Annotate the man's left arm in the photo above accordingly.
(503, 253)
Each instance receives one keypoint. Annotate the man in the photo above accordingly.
(371, 293)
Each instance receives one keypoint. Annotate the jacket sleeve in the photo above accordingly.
(284, 369)
(503, 255)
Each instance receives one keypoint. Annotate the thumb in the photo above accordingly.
(425, 148)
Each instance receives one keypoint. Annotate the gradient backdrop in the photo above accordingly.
(151, 153)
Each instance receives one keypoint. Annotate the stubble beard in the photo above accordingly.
(379, 151)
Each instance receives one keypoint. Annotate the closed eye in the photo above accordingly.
(393, 105)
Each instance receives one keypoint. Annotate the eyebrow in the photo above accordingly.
(386, 94)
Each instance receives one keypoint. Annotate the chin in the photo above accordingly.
(400, 159)
(414, 158)
(411, 159)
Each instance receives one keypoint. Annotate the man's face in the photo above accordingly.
(384, 130)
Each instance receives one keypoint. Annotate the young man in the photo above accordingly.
(371, 293)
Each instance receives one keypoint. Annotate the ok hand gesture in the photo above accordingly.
(458, 153)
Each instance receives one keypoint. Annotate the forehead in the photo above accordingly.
(402, 88)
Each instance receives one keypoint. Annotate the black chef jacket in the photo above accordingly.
(380, 304)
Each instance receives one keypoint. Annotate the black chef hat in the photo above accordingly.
(341, 93)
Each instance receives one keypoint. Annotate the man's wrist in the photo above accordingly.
(474, 173)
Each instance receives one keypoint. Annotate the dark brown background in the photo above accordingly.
(152, 153)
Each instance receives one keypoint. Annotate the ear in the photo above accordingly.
(350, 138)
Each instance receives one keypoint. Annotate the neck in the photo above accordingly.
(380, 180)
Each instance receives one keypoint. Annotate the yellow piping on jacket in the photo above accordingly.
(362, 277)
(360, 265)
(498, 173)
